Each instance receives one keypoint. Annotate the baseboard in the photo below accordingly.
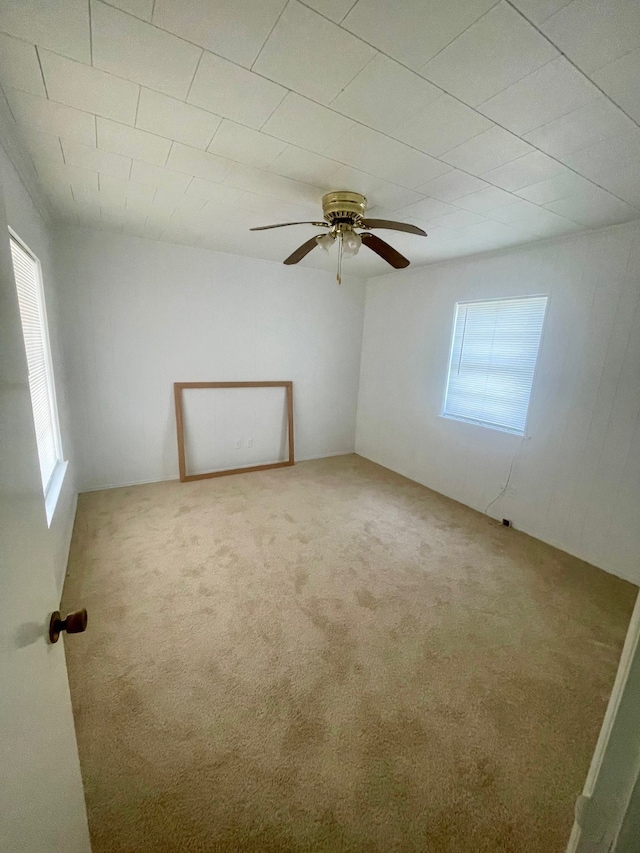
(515, 524)
(128, 483)
(327, 455)
(175, 476)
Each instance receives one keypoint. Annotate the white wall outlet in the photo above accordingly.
(249, 442)
(238, 443)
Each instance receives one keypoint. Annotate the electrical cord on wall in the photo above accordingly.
(515, 458)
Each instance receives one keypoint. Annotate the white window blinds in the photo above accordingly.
(493, 358)
(36, 341)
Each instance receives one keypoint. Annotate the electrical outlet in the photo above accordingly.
(249, 442)
(238, 443)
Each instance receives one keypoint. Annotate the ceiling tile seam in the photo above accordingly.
(361, 124)
(450, 168)
(88, 112)
(472, 24)
(133, 15)
(157, 91)
(286, 92)
(485, 216)
(368, 174)
(577, 150)
(62, 150)
(617, 59)
(90, 33)
(340, 22)
(546, 204)
(295, 91)
(469, 105)
(326, 106)
(519, 80)
(495, 123)
(331, 106)
(559, 198)
(364, 67)
(227, 181)
(149, 24)
(94, 68)
(267, 168)
(407, 68)
(135, 119)
(153, 11)
(213, 136)
(342, 135)
(6, 100)
(570, 61)
(464, 142)
(339, 166)
(186, 97)
(282, 11)
(506, 250)
(220, 183)
(322, 15)
(169, 155)
(398, 60)
(482, 216)
(44, 82)
(387, 135)
(12, 37)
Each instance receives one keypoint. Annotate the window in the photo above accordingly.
(36, 341)
(493, 359)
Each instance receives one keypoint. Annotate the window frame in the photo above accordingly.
(524, 433)
(53, 486)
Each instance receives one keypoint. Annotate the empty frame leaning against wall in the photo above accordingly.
(179, 387)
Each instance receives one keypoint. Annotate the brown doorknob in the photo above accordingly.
(75, 623)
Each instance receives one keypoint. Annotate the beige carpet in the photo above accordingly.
(331, 657)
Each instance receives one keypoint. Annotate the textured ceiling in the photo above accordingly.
(489, 124)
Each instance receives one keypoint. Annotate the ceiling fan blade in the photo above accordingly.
(393, 226)
(386, 252)
(284, 224)
(302, 251)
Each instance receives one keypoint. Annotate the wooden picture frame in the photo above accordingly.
(178, 388)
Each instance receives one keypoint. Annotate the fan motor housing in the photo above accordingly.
(343, 206)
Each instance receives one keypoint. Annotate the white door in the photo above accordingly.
(42, 806)
(608, 812)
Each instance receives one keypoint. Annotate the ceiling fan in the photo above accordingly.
(344, 212)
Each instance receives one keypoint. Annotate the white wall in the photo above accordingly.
(28, 224)
(217, 420)
(141, 315)
(576, 478)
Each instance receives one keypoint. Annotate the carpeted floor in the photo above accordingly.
(331, 658)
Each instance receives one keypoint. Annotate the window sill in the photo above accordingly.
(53, 492)
(485, 424)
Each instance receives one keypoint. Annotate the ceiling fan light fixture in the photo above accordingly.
(325, 241)
(351, 243)
(343, 212)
